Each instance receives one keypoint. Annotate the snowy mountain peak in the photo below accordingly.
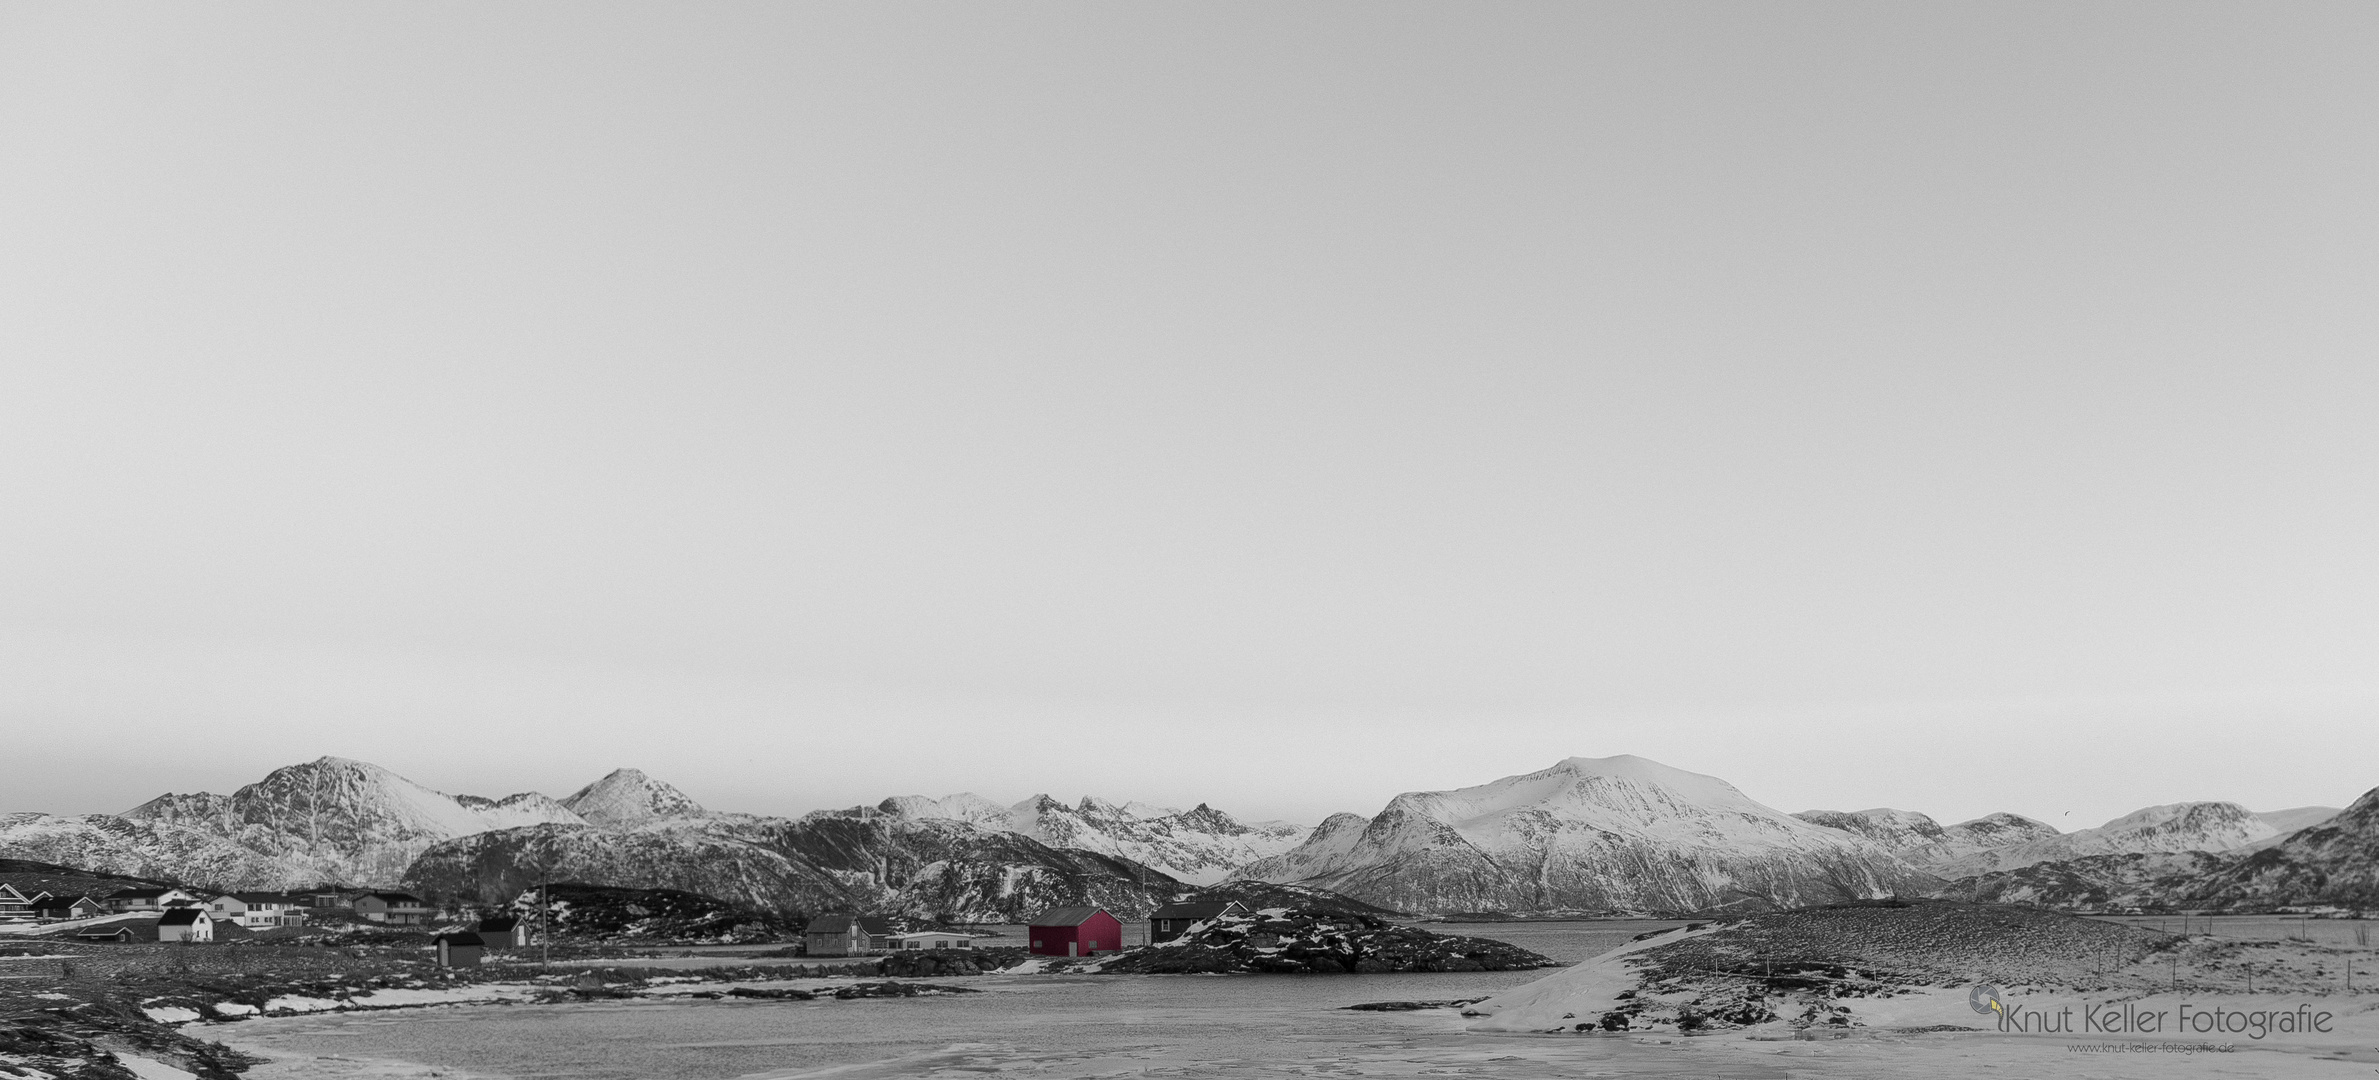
(629, 797)
(1621, 833)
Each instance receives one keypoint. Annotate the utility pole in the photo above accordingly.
(544, 935)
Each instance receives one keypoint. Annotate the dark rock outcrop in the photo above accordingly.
(1320, 943)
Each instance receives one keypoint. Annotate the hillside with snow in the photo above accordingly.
(1619, 835)
(2173, 828)
(1201, 845)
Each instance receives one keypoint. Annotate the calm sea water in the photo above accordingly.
(1068, 1027)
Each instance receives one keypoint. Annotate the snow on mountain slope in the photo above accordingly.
(1200, 846)
(965, 806)
(2334, 861)
(1618, 834)
(2300, 817)
(628, 797)
(2190, 826)
(336, 819)
(109, 844)
(2000, 830)
(1923, 843)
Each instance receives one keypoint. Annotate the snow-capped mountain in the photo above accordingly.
(1925, 844)
(1617, 834)
(1201, 845)
(628, 797)
(330, 820)
(335, 819)
(2190, 826)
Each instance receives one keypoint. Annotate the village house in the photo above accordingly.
(880, 931)
(111, 934)
(188, 925)
(396, 908)
(834, 935)
(1075, 931)
(50, 908)
(505, 932)
(16, 906)
(1173, 920)
(932, 939)
(459, 949)
(153, 898)
(259, 910)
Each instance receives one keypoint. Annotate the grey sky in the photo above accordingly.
(1957, 408)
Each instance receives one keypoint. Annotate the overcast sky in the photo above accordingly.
(1958, 408)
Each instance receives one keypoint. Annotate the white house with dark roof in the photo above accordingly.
(400, 908)
(16, 906)
(186, 924)
(153, 898)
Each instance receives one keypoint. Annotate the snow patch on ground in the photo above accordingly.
(1573, 994)
(150, 1069)
(170, 1014)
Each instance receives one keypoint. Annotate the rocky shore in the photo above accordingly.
(1311, 942)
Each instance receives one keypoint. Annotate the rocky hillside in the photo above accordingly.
(146, 849)
(1616, 835)
(2130, 881)
(1201, 845)
(601, 913)
(1923, 843)
(823, 862)
(2335, 862)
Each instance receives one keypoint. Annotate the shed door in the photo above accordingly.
(1069, 948)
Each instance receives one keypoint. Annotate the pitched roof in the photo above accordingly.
(501, 924)
(397, 898)
(877, 925)
(1067, 916)
(182, 916)
(461, 937)
(831, 924)
(265, 898)
(112, 930)
(139, 893)
(1195, 909)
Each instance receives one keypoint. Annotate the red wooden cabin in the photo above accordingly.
(1075, 931)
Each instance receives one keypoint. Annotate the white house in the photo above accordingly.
(185, 924)
(933, 939)
(259, 910)
(15, 906)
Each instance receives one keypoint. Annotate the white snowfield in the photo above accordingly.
(1581, 992)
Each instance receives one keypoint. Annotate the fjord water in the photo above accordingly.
(1064, 1027)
